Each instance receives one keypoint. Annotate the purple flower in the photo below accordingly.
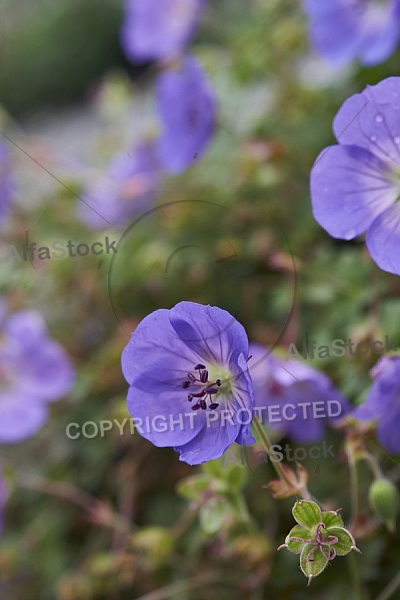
(159, 29)
(342, 30)
(355, 185)
(34, 370)
(187, 108)
(382, 403)
(128, 189)
(6, 181)
(292, 397)
(189, 383)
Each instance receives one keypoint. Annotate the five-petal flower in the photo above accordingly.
(189, 382)
(355, 185)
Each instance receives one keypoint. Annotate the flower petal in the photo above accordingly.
(154, 29)
(166, 418)
(20, 417)
(350, 187)
(384, 392)
(209, 331)
(156, 352)
(371, 120)
(212, 441)
(383, 240)
(333, 29)
(187, 107)
(379, 34)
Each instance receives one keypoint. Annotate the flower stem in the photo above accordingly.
(390, 589)
(277, 466)
(374, 466)
(355, 577)
(353, 491)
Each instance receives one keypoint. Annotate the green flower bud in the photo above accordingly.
(384, 500)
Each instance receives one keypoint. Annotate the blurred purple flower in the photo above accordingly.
(355, 185)
(188, 377)
(342, 30)
(299, 393)
(128, 189)
(187, 106)
(159, 29)
(382, 403)
(34, 370)
(6, 181)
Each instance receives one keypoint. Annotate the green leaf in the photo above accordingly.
(236, 477)
(194, 486)
(213, 515)
(315, 566)
(307, 513)
(299, 532)
(346, 540)
(331, 519)
(214, 467)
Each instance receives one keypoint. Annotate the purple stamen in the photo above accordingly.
(206, 392)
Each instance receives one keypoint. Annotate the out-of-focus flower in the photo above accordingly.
(34, 370)
(382, 403)
(6, 181)
(318, 537)
(355, 185)
(187, 107)
(128, 189)
(342, 30)
(189, 383)
(159, 29)
(292, 397)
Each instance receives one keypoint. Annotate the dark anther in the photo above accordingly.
(218, 382)
(185, 384)
(199, 395)
(213, 406)
(211, 390)
(203, 404)
(251, 356)
(198, 367)
(191, 377)
(190, 397)
(196, 406)
(204, 376)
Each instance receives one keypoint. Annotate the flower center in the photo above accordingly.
(320, 541)
(205, 384)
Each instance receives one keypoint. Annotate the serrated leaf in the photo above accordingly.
(307, 513)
